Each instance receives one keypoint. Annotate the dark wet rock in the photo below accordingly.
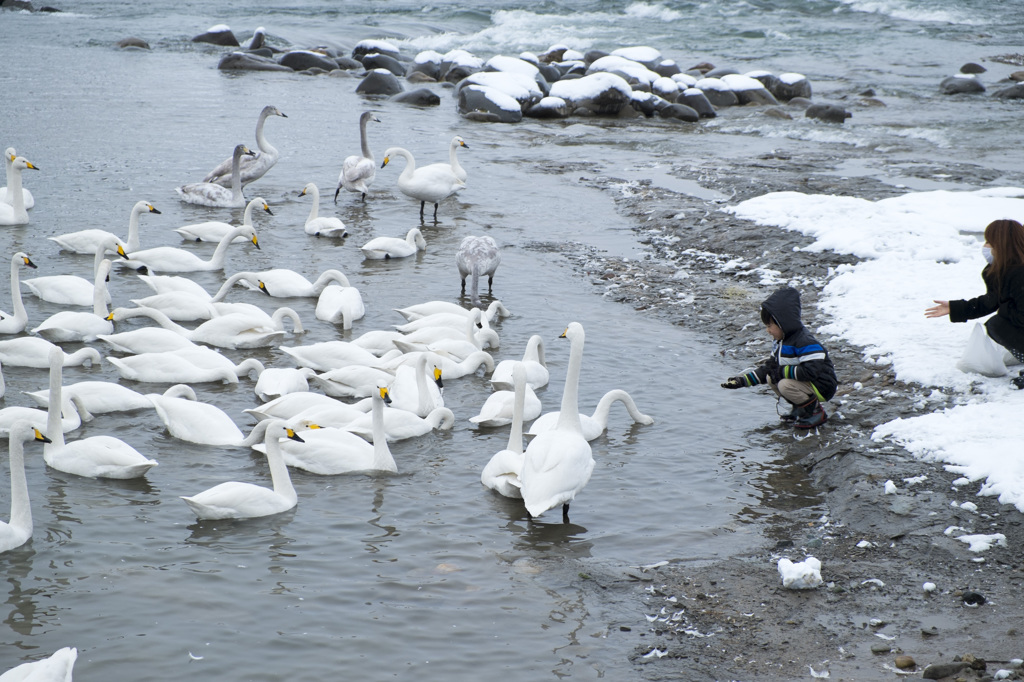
(593, 55)
(667, 68)
(827, 112)
(133, 42)
(247, 61)
(647, 104)
(549, 107)
(263, 52)
(553, 54)
(904, 662)
(790, 85)
(419, 77)
(383, 61)
(601, 93)
(259, 37)
(719, 72)
(365, 47)
(698, 101)
(17, 4)
(703, 68)
(1017, 76)
(871, 102)
(221, 36)
(974, 598)
(718, 93)
(379, 82)
(768, 80)
(870, 92)
(755, 96)
(680, 112)
(775, 112)
(491, 101)
(961, 85)
(937, 671)
(482, 117)
(549, 72)
(799, 102)
(420, 97)
(300, 60)
(1012, 92)
(971, 67)
(459, 71)
(429, 68)
(347, 63)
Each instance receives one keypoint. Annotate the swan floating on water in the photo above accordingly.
(317, 225)
(384, 248)
(16, 323)
(357, 172)
(254, 167)
(29, 201)
(15, 212)
(171, 259)
(594, 425)
(214, 230)
(433, 183)
(477, 257)
(81, 327)
(501, 473)
(211, 194)
(90, 241)
(56, 668)
(533, 363)
(18, 531)
(72, 289)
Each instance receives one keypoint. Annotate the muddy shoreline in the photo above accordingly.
(732, 619)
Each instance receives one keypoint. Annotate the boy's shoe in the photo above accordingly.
(791, 415)
(1018, 381)
(811, 415)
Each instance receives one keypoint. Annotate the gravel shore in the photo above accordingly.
(732, 619)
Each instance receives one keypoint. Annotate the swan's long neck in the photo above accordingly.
(159, 317)
(535, 350)
(604, 406)
(363, 120)
(99, 292)
(54, 425)
(382, 457)
(21, 510)
(328, 276)
(471, 329)
(133, 228)
(569, 416)
(256, 435)
(283, 312)
(79, 357)
(453, 158)
(236, 170)
(422, 391)
(232, 281)
(15, 195)
(9, 157)
(261, 141)
(247, 216)
(515, 437)
(220, 253)
(278, 470)
(16, 303)
(314, 210)
(410, 164)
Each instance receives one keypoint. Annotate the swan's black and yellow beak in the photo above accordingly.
(263, 288)
(248, 152)
(152, 209)
(562, 335)
(120, 252)
(40, 437)
(462, 143)
(386, 159)
(255, 241)
(293, 436)
(385, 395)
(29, 263)
(437, 377)
(267, 208)
(110, 317)
(303, 192)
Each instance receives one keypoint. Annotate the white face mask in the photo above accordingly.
(986, 252)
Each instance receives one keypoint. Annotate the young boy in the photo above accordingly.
(799, 368)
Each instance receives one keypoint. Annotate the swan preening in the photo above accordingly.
(8, 198)
(217, 196)
(433, 183)
(254, 166)
(477, 257)
(15, 213)
(357, 172)
(317, 225)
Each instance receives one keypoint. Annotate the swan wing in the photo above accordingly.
(99, 457)
(237, 500)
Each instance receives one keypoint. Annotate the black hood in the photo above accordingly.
(784, 307)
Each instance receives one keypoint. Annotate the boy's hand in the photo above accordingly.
(734, 382)
(775, 373)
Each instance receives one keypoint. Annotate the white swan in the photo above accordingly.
(90, 241)
(594, 425)
(415, 312)
(72, 289)
(476, 257)
(278, 381)
(171, 259)
(533, 363)
(180, 367)
(501, 473)
(352, 381)
(558, 463)
(236, 500)
(74, 326)
(16, 323)
(56, 668)
(291, 405)
(450, 369)
(331, 451)
(214, 230)
(499, 408)
(73, 413)
(18, 531)
(32, 351)
(93, 457)
(461, 339)
(254, 167)
(385, 248)
(433, 183)
(144, 339)
(417, 389)
(233, 330)
(357, 172)
(194, 421)
(401, 424)
(317, 225)
(163, 284)
(210, 194)
(284, 283)
(328, 355)
(453, 157)
(179, 306)
(340, 304)
(29, 201)
(454, 320)
(15, 213)
(98, 397)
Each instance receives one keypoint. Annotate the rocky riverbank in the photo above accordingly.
(872, 618)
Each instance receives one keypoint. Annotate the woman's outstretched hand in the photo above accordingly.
(941, 309)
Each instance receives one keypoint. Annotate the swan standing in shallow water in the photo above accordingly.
(594, 425)
(15, 213)
(210, 194)
(321, 226)
(16, 323)
(501, 473)
(433, 183)
(357, 172)
(558, 463)
(171, 259)
(236, 500)
(214, 230)
(18, 531)
(9, 156)
(254, 167)
(88, 242)
(93, 457)
(385, 248)
(477, 257)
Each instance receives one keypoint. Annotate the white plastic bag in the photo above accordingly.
(982, 355)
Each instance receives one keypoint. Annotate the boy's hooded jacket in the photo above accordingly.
(799, 354)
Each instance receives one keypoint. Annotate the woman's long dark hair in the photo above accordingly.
(1006, 237)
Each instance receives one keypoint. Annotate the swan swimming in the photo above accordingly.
(357, 172)
(384, 248)
(499, 408)
(88, 242)
(74, 326)
(72, 289)
(558, 463)
(477, 257)
(340, 304)
(254, 167)
(15, 213)
(98, 397)
(274, 382)
(533, 363)
(501, 473)
(419, 310)
(171, 259)
(284, 283)
(9, 156)
(18, 531)
(433, 183)
(321, 226)
(210, 194)
(237, 500)
(56, 668)
(32, 351)
(214, 230)
(594, 425)
(194, 421)
(16, 323)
